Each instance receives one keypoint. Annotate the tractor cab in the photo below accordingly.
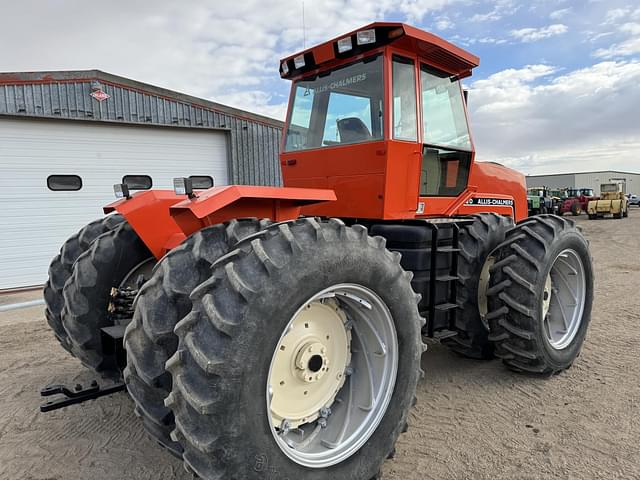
(379, 116)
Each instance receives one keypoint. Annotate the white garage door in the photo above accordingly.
(35, 221)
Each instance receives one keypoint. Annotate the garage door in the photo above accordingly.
(35, 221)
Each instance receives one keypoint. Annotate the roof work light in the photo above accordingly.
(299, 61)
(365, 37)
(344, 44)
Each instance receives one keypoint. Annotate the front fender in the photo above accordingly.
(163, 219)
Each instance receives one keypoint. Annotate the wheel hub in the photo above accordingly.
(312, 362)
(309, 364)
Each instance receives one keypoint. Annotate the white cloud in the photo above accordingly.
(535, 34)
(612, 16)
(224, 50)
(501, 9)
(444, 23)
(628, 47)
(540, 121)
(416, 10)
(558, 14)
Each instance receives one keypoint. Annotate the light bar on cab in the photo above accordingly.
(353, 44)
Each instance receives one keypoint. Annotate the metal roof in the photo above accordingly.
(75, 76)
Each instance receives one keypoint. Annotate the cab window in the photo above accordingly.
(446, 155)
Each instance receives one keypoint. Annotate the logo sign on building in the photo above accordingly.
(100, 95)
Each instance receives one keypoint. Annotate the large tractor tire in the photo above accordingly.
(300, 357)
(115, 259)
(576, 209)
(540, 295)
(476, 242)
(162, 302)
(60, 271)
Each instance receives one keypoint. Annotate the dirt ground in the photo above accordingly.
(473, 420)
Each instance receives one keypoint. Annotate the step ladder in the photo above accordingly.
(448, 308)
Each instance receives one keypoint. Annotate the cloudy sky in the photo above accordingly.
(558, 88)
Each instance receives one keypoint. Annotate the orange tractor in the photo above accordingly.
(278, 331)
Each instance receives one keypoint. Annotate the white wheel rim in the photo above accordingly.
(564, 299)
(365, 385)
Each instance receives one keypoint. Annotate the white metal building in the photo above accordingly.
(61, 151)
(630, 180)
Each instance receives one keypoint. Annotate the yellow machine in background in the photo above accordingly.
(612, 201)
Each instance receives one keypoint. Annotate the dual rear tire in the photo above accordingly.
(540, 295)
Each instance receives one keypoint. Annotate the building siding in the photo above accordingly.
(254, 144)
(551, 181)
(587, 180)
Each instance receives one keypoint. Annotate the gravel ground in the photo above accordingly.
(473, 420)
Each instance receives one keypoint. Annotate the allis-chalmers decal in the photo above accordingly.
(490, 202)
(361, 77)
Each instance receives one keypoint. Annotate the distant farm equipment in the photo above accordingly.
(576, 200)
(543, 200)
(612, 201)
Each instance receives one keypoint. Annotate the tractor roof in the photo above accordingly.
(439, 52)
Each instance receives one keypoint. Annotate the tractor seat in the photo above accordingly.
(352, 130)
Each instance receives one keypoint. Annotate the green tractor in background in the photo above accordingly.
(543, 200)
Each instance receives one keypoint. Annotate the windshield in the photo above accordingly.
(340, 107)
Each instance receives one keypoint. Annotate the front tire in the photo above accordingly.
(476, 241)
(226, 344)
(113, 257)
(162, 302)
(541, 295)
(61, 267)
(576, 209)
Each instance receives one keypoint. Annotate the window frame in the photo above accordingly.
(72, 175)
(124, 180)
